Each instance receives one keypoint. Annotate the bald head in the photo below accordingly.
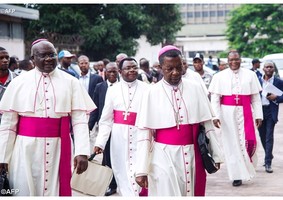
(83, 57)
(111, 65)
(121, 56)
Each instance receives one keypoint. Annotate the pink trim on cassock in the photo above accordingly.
(119, 118)
(52, 127)
(187, 134)
(245, 101)
(131, 120)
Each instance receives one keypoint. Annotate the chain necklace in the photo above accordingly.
(176, 112)
(126, 113)
(41, 100)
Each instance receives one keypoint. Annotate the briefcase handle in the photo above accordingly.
(92, 156)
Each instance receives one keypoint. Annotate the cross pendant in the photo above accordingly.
(178, 121)
(237, 99)
(126, 114)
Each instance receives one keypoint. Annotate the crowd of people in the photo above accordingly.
(145, 120)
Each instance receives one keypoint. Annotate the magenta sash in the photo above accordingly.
(245, 101)
(173, 136)
(52, 127)
(186, 134)
(119, 118)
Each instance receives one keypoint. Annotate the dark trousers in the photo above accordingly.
(107, 161)
(266, 132)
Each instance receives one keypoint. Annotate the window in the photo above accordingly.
(17, 31)
(220, 13)
(212, 13)
(198, 14)
(190, 14)
(205, 13)
(183, 15)
(11, 30)
(4, 30)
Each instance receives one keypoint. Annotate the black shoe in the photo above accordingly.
(110, 191)
(268, 169)
(237, 183)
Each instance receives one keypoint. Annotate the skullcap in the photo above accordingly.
(38, 40)
(167, 48)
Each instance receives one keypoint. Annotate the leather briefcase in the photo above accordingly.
(94, 181)
(207, 159)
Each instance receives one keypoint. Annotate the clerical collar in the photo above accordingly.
(130, 84)
(44, 73)
(174, 87)
(236, 71)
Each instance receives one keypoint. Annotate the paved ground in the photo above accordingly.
(264, 184)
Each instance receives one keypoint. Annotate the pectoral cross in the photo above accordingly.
(237, 99)
(178, 121)
(126, 114)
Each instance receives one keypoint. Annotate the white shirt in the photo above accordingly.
(84, 80)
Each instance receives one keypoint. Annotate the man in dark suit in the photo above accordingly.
(111, 74)
(270, 107)
(88, 80)
(256, 65)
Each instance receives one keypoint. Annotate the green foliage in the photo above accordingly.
(256, 29)
(106, 29)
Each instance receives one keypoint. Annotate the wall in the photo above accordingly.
(145, 50)
(14, 47)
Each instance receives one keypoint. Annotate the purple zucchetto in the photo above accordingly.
(167, 48)
(38, 40)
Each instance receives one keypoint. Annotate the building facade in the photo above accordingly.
(204, 29)
(11, 28)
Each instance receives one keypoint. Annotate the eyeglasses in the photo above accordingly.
(135, 68)
(46, 55)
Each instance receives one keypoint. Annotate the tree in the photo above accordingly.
(104, 30)
(256, 29)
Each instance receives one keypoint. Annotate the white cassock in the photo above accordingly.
(190, 74)
(240, 82)
(120, 97)
(34, 161)
(171, 169)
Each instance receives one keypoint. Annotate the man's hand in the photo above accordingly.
(142, 181)
(271, 97)
(80, 163)
(258, 122)
(97, 150)
(4, 166)
(217, 165)
(217, 123)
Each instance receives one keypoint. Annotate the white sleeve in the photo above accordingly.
(106, 121)
(144, 148)
(214, 145)
(257, 106)
(215, 104)
(81, 132)
(8, 135)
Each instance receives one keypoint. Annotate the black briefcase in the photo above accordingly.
(207, 159)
